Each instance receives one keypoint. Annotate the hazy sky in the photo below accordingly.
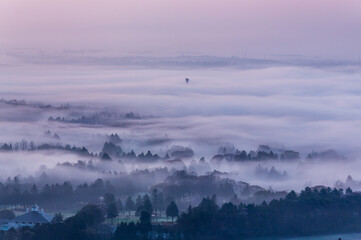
(252, 28)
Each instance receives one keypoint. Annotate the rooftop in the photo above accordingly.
(32, 216)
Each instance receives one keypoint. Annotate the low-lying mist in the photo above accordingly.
(296, 108)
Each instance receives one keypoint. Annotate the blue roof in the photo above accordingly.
(31, 216)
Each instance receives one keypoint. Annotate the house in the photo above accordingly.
(5, 224)
(30, 219)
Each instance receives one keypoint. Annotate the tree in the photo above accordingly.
(144, 204)
(138, 202)
(126, 231)
(74, 228)
(91, 214)
(109, 198)
(157, 201)
(208, 205)
(172, 210)
(120, 206)
(147, 205)
(112, 211)
(34, 190)
(129, 205)
(214, 198)
(105, 156)
(161, 202)
(144, 218)
(111, 149)
(145, 223)
(7, 214)
(348, 191)
(291, 196)
(58, 218)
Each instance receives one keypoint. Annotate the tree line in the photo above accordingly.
(52, 196)
(311, 212)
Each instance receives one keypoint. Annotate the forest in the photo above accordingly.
(310, 212)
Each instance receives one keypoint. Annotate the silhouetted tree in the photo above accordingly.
(58, 218)
(145, 224)
(91, 215)
(112, 211)
(7, 214)
(109, 198)
(129, 205)
(172, 210)
(138, 202)
(157, 201)
(120, 206)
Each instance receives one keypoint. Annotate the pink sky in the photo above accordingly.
(253, 28)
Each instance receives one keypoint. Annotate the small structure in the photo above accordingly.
(5, 224)
(29, 219)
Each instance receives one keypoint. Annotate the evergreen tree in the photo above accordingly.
(129, 205)
(7, 214)
(157, 201)
(120, 206)
(112, 211)
(109, 198)
(145, 224)
(172, 210)
(58, 218)
(147, 204)
(138, 202)
(92, 215)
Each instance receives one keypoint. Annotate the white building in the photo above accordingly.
(30, 219)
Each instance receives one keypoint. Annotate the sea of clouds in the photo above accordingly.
(303, 108)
